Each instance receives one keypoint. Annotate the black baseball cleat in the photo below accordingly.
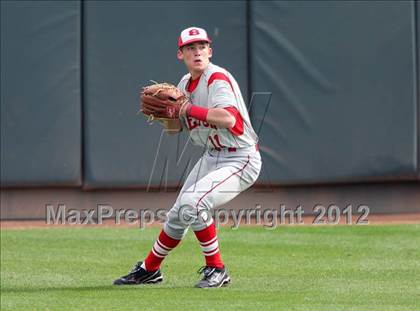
(213, 277)
(140, 276)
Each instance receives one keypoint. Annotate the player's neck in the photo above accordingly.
(195, 74)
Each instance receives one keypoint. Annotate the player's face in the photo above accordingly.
(196, 56)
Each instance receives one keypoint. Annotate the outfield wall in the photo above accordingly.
(332, 87)
(41, 107)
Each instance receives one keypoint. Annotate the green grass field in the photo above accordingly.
(289, 268)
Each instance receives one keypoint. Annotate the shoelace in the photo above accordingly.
(136, 267)
(206, 270)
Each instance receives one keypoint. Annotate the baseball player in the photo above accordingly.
(217, 119)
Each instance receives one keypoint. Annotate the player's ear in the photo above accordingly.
(210, 52)
(179, 54)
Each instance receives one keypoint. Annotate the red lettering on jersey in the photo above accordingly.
(192, 123)
(194, 32)
(217, 140)
(216, 144)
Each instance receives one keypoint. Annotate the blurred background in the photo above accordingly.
(332, 86)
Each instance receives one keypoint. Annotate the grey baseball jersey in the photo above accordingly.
(218, 89)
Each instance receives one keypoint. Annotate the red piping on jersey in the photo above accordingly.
(238, 128)
(234, 173)
(220, 76)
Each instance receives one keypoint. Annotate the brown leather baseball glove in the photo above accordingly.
(162, 102)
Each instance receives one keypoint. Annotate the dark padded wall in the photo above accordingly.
(343, 89)
(125, 47)
(40, 93)
(417, 41)
(341, 76)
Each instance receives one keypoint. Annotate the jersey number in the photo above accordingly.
(215, 141)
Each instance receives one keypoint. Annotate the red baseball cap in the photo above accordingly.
(192, 34)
